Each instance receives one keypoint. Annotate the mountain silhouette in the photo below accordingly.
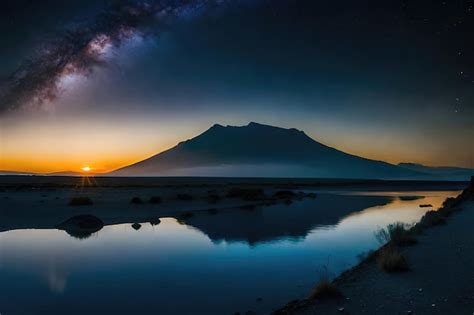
(258, 150)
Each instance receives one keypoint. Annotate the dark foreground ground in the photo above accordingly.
(440, 279)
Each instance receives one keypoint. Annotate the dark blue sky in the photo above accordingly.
(391, 80)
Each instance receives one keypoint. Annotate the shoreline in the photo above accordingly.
(26, 182)
(113, 204)
(355, 280)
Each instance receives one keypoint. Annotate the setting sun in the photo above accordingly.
(86, 169)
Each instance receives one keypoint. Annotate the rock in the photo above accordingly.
(409, 312)
(426, 206)
(155, 221)
(81, 226)
(341, 309)
(136, 226)
(433, 305)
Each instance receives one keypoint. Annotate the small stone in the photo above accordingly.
(348, 299)
(433, 305)
(420, 290)
(341, 309)
(136, 226)
(409, 312)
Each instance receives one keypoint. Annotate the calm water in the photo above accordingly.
(210, 264)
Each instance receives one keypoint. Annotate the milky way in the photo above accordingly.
(38, 82)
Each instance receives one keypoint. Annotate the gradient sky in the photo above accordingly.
(387, 80)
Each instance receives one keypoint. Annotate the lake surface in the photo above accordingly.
(224, 262)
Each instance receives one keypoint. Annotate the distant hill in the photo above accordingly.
(64, 173)
(441, 172)
(258, 150)
(15, 173)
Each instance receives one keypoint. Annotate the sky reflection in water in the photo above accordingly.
(195, 268)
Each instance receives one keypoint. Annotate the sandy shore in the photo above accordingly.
(440, 280)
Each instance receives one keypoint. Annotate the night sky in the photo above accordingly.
(109, 83)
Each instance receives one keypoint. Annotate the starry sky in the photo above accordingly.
(108, 83)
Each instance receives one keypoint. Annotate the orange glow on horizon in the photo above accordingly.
(48, 145)
(104, 160)
(44, 165)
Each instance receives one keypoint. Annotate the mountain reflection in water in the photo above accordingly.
(210, 263)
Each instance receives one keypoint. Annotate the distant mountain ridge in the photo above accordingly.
(449, 172)
(63, 173)
(15, 173)
(258, 150)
